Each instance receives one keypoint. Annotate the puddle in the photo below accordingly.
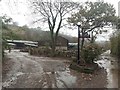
(65, 80)
(62, 79)
(110, 65)
(54, 73)
(19, 73)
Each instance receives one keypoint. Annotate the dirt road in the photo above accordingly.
(43, 72)
(37, 72)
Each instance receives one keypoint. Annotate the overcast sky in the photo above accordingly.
(18, 10)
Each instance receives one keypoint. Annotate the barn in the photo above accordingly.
(62, 43)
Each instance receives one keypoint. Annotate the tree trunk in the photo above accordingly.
(92, 37)
(53, 46)
(53, 50)
(82, 43)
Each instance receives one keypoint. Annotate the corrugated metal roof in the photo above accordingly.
(31, 45)
(23, 41)
(11, 44)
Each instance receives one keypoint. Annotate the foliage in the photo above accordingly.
(115, 45)
(118, 23)
(90, 52)
(115, 40)
(6, 32)
(46, 51)
(89, 69)
(41, 51)
(93, 16)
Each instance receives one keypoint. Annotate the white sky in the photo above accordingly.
(18, 10)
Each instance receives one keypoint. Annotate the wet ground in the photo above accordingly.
(25, 71)
(110, 64)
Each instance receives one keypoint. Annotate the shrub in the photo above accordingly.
(115, 45)
(40, 51)
(90, 52)
(46, 51)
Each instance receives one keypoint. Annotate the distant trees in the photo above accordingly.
(118, 23)
(4, 20)
(93, 16)
(53, 13)
(115, 40)
(6, 32)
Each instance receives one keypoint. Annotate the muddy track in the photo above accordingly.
(44, 72)
(29, 71)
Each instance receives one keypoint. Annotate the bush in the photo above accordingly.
(115, 45)
(90, 52)
(40, 51)
(46, 51)
(65, 53)
(24, 49)
(84, 69)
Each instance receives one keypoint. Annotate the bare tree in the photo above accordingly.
(54, 13)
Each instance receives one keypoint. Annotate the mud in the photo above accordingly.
(110, 64)
(44, 72)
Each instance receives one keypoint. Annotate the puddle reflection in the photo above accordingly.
(111, 66)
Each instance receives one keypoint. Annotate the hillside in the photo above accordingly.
(34, 34)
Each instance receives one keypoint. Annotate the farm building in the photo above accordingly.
(20, 44)
(62, 43)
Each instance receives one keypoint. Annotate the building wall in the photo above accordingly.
(62, 48)
(61, 41)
